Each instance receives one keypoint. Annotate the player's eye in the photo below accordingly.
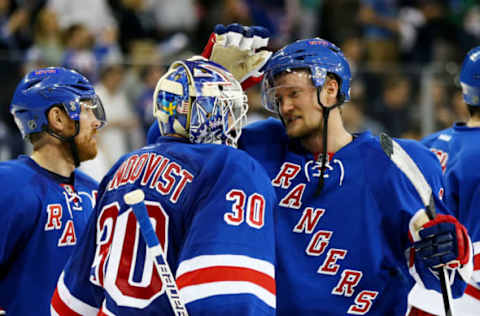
(294, 93)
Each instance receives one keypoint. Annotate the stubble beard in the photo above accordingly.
(87, 147)
(303, 132)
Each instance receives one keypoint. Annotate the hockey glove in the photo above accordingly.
(237, 48)
(443, 241)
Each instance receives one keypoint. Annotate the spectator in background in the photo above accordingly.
(95, 15)
(135, 22)
(166, 23)
(106, 48)
(256, 111)
(413, 131)
(392, 107)
(354, 49)
(174, 16)
(149, 76)
(460, 111)
(380, 31)
(438, 38)
(471, 22)
(78, 52)
(143, 53)
(11, 142)
(235, 10)
(212, 12)
(310, 10)
(356, 121)
(440, 92)
(333, 18)
(14, 31)
(47, 48)
(11, 20)
(280, 17)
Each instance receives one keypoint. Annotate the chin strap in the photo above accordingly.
(70, 140)
(325, 114)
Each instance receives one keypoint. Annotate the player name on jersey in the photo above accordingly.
(155, 171)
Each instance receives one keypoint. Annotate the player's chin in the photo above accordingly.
(293, 130)
(88, 152)
(88, 156)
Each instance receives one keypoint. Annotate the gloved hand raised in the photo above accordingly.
(237, 48)
(443, 240)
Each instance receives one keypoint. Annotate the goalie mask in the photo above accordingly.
(201, 101)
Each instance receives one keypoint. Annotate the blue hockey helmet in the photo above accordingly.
(316, 55)
(470, 77)
(43, 88)
(201, 101)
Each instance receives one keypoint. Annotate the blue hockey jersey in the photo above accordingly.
(458, 152)
(346, 251)
(439, 143)
(212, 208)
(43, 217)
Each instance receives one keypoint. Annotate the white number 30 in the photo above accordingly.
(254, 213)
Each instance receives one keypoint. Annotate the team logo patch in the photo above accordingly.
(32, 124)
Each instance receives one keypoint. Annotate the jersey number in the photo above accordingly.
(130, 277)
(254, 214)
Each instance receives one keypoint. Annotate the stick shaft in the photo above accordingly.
(406, 164)
(446, 290)
(136, 200)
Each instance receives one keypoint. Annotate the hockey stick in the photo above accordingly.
(136, 200)
(405, 163)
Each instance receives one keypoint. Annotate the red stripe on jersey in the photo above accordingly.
(472, 291)
(223, 273)
(60, 307)
(476, 262)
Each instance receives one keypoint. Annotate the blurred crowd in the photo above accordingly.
(404, 55)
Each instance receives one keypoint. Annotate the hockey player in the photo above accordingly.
(458, 152)
(45, 201)
(350, 207)
(211, 205)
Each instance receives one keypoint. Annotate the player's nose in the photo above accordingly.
(286, 105)
(96, 123)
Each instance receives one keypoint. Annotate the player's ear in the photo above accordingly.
(333, 82)
(57, 118)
